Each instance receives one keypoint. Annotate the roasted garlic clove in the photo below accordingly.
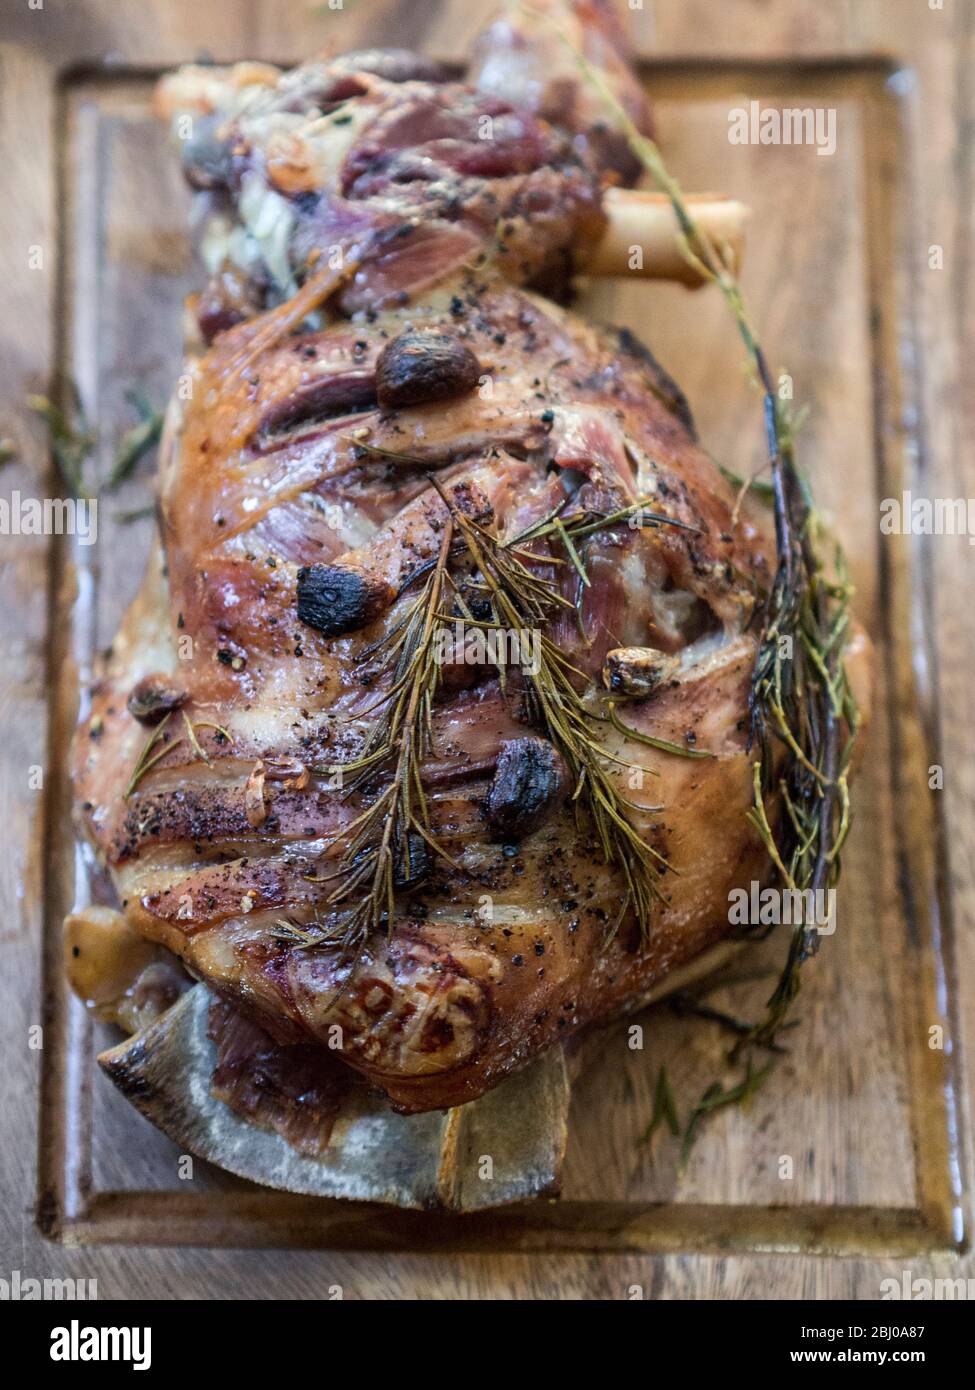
(638, 671)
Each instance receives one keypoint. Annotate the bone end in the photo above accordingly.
(643, 239)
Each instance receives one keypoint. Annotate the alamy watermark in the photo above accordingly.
(21, 1288)
(913, 1290)
(908, 515)
(755, 124)
(470, 645)
(756, 906)
(49, 516)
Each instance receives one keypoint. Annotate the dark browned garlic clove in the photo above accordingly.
(207, 162)
(530, 782)
(153, 697)
(336, 599)
(419, 367)
(638, 671)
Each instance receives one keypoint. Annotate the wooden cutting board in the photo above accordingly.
(854, 1163)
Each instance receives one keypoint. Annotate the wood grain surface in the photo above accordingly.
(877, 1123)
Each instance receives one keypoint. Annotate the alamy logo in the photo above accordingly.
(908, 515)
(477, 646)
(49, 516)
(20, 1289)
(77, 1343)
(913, 1290)
(756, 906)
(790, 125)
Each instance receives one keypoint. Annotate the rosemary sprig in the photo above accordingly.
(758, 485)
(386, 845)
(585, 523)
(522, 600)
(802, 713)
(664, 1108)
(685, 1004)
(662, 745)
(195, 743)
(221, 732)
(571, 551)
(127, 518)
(70, 437)
(294, 935)
(137, 441)
(392, 455)
(716, 1097)
(805, 720)
(150, 755)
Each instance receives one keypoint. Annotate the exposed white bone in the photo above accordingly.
(642, 238)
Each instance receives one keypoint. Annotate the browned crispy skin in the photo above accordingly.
(456, 997)
(297, 508)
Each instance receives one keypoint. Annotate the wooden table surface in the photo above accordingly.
(931, 49)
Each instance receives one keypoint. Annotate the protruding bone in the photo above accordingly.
(643, 237)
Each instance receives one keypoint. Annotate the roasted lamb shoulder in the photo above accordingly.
(376, 382)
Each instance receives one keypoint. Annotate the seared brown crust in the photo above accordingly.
(290, 457)
(481, 970)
